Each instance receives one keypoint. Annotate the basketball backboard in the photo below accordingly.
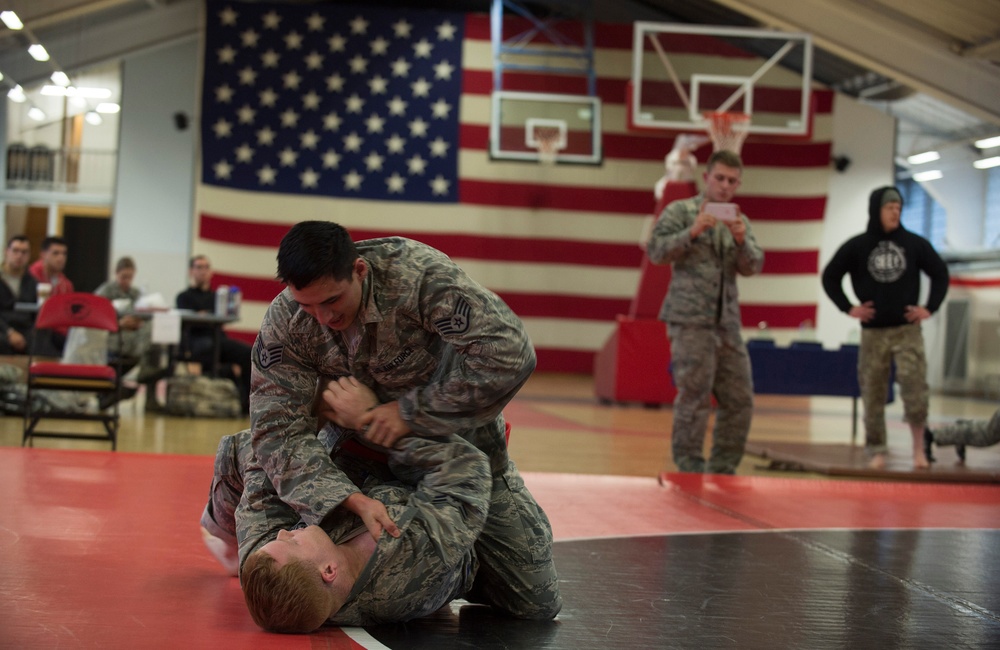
(523, 123)
(681, 72)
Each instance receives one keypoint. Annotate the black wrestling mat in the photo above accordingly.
(874, 589)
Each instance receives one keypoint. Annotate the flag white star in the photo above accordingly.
(309, 178)
(358, 64)
(373, 161)
(379, 46)
(375, 123)
(315, 22)
(397, 106)
(311, 101)
(400, 67)
(443, 70)
(359, 25)
(226, 54)
(228, 16)
(223, 94)
(332, 122)
(288, 157)
(246, 114)
(266, 175)
(266, 136)
(314, 61)
(416, 164)
(441, 109)
(292, 80)
(250, 38)
(352, 180)
(248, 76)
(335, 83)
(289, 118)
(272, 20)
(244, 153)
(440, 185)
(438, 147)
(354, 104)
(268, 97)
(402, 29)
(418, 128)
(309, 139)
(446, 31)
(223, 169)
(422, 49)
(395, 144)
(293, 40)
(331, 159)
(378, 85)
(336, 43)
(222, 128)
(421, 87)
(270, 59)
(352, 142)
(395, 183)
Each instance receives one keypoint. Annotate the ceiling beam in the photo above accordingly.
(876, 40)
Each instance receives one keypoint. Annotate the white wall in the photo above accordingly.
(155, 185)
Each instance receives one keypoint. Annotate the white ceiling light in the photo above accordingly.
(16, 94)
(988, 143)
(37, 52)
(93, 118)
(60, 78)
(921, 158)
(73, 91)
(108, 107)
(986, 163)
(36, 114)
(930, 175)
(10, 19)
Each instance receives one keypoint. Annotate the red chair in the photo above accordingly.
(65, 311)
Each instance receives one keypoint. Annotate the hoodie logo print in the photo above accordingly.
(887, 262)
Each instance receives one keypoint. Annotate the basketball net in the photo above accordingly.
(548, 144)
(727, 130)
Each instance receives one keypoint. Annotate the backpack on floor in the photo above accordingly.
(203, 397)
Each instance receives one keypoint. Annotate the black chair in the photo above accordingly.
(63, 311)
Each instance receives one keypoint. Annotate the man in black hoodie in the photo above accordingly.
(885, 264)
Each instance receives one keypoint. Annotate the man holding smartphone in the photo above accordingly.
(708, 245)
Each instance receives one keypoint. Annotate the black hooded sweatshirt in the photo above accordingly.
(885, 269)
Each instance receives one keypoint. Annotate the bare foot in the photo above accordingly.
(877, 462)
(920, 459)
(226, 554)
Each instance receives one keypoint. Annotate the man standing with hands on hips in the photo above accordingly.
(708, 242)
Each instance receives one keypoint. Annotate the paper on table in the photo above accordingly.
(166, 327)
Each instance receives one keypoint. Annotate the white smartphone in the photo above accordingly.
(723, 211)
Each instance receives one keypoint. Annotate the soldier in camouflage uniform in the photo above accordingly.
(972, 433)
(702, 312)
(442, 356)
(430, 562)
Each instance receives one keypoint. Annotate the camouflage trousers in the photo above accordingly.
(219, 515)
(706, 362)
(974, 433)
(880, 347)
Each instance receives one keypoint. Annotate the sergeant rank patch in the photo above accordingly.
(458, 322)
(269, 355)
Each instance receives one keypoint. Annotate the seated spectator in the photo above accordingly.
(199, 297)
(19, 286)
(48, 268)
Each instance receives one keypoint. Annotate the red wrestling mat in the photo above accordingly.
(103, 550)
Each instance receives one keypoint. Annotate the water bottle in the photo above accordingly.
(222, 300)
(235, 300)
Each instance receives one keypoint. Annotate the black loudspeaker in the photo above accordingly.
(181, 121)
(841, 163)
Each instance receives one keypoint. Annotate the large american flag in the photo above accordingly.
(378, 119)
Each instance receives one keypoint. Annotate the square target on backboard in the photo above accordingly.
(545, 127)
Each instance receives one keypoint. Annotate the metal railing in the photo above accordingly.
(60, 170)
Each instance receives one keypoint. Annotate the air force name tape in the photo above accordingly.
(269, 355)
(458, 322)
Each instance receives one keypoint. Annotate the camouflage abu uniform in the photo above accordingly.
(708, 356)
(973, 433)
(453, 355)
(431, 563)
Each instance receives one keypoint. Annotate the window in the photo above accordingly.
(922, 214)
(991, 215)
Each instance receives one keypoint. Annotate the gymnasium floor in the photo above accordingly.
(102, 549)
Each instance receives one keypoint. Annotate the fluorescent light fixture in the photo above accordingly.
(36, 114)
(37, 52)
(988, 143)
(108, 107)
(921, 158)
(93, 118)
(930, 175)
(73, 91)
(10, 19)
(16, 94)
(986, 163)
(1, 76)
(59, 78)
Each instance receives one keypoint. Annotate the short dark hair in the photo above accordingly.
(15, 238)
(124, 263)
(725, 157)
(49, 242)
(195, 258)
(315, 249)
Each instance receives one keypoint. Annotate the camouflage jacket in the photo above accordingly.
(432, 561)
(450, 351)
(703, 283)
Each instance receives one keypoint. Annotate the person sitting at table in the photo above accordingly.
(19, 286)
(200, 343)
(137, 347)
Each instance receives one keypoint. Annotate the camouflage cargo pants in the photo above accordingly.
(710, 361)
(974, 433)
(219, 516)
(880, 347)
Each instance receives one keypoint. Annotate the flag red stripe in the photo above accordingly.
(974, 282)
(790, 262)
